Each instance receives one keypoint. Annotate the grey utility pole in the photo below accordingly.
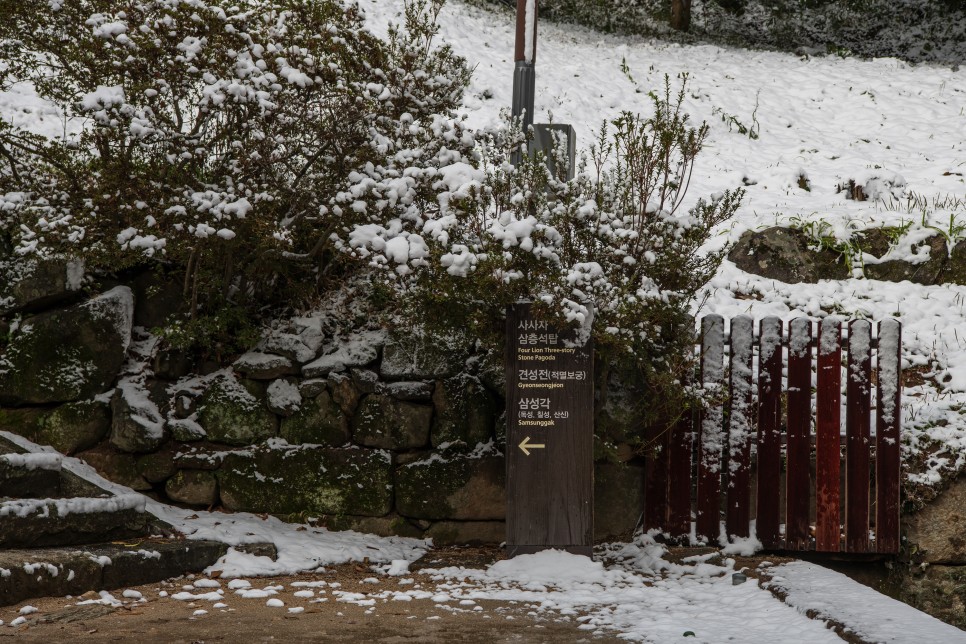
(525, 55)
(545, 137)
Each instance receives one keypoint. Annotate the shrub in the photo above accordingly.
(613, 251)
(221, 138)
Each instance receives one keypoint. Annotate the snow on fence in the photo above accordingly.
(747, 464)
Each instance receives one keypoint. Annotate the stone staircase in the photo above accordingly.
(61, 534)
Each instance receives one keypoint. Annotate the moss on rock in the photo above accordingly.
(314, 480)
(233, 412)
(465, 411)
(320, 421)
(387, 423)
(452, 486)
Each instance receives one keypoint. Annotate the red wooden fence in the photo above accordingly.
(737, 444)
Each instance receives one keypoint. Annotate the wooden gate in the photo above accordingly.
(770, 450)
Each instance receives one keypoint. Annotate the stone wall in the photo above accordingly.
(385, 432)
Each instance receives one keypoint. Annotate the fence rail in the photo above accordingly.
(763, 454)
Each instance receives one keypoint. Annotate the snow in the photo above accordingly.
(33, 461)
(870, 615)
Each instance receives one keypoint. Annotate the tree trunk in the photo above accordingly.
(681, 14)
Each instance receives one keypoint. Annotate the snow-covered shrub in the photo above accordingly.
(613, 250)
(222, 138)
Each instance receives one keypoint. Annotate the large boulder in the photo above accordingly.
(939, 529)
(786, 255)
(313, 480)
(68, 428)
(234, 412)
(68, 354)
(465, 411)
(417, 355)
(319, 421)
(453, 486)
(934, 255)
(193, 487)
(388, 423)
(32, 284)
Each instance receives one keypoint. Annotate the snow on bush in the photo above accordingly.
(225, 139)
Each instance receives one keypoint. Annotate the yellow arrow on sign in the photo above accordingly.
(526, 446)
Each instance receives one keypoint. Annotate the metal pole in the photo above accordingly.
(524, 71)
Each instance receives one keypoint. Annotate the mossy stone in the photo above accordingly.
(115, 466)
(320, 421)
(233, 412)
(928, 272)
(68, 428)
(465, 411)
(159, 466)
(68, 354)
(388, 423)
(452, 486)
(313, 480)
(194, 487)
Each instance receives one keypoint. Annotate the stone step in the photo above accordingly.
(32, 523)
(30, 476)
(46, 572)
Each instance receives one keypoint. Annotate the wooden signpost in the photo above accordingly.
(550, 438)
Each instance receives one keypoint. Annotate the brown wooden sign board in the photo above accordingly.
(550, 438)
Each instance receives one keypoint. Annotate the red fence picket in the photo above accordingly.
(722, 442)
(857, 444)
(769, 433)
(827, 431)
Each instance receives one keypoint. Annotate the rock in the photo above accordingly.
(68, 428)
(157, 467)
(289, 345)
(452, 486)
(939, 529)
(35, 284)
(618, 499)
(233, 413)
(264, 366)
(417, 355)
(171, 364)
(201, 456)
(186, 430)
(411, 391)
(387, 526)
(68, 354)
(366, 381)
(137, 424)
(115, 466)
(474, 533)
(783, 254)
(465, 412)
(284, 398)
(194, 487)
(939, 591)
(320, 421)
(876, 241)
(391, 424)
(357, 350)
(955, 271)
(344, 392)
(185, 404)
(312, 480)
(927, 272)
(312, 387)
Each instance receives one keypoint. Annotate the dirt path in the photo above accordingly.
(325, 614)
